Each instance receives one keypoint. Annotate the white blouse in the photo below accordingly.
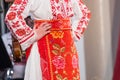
(45, 9)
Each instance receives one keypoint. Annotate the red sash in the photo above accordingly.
(59, 57)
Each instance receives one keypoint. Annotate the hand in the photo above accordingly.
(42, 30)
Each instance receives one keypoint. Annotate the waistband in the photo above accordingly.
(57, 24)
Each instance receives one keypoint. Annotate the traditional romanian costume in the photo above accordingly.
(54, 57)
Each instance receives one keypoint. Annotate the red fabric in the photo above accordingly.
(116, 74)
(59, 58)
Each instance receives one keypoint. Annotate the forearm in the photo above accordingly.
(17, 25)
(80, 19)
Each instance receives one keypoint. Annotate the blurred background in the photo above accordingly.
(98, 49)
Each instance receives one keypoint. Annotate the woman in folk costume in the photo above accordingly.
(50, 49)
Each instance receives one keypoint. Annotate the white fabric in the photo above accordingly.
(35, 9)
(39, 10)
(33, 68)
(27, 43)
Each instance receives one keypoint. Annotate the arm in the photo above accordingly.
(80, 19)
(17, 25)
(15, 20)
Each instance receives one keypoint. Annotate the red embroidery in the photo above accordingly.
(59, 62)
(57, 1)
(75, 61)
(11, 15)
(89, 15)
(18, 2)
(20, 32)
(59, 53)
(66, 11)
(16, 22)
(63, 9)
(22, 8)
(83, 21)
(66, 1)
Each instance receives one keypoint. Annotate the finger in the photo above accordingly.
(46, 26)
(43, 24)
(47, 32)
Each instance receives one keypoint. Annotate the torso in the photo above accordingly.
(49, 9)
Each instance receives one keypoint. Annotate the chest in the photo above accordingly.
(52, 9)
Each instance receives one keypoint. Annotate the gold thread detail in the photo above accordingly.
(49, 58)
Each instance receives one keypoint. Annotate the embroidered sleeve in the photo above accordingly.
(80, 19)
(17, 25)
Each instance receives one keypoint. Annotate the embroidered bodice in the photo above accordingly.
(45, 10)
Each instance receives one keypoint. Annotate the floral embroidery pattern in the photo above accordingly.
(75, 62)
(11, 15)
(20, 32)
(83, 21)
(67, 11)
(60, 77)
(76, 77)
(57, 34)
(73, 49)
(59, 62)
(61, 9)
(16, 22)
(57, 50)
(18, 2)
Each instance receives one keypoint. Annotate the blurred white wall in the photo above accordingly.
(98, 42)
